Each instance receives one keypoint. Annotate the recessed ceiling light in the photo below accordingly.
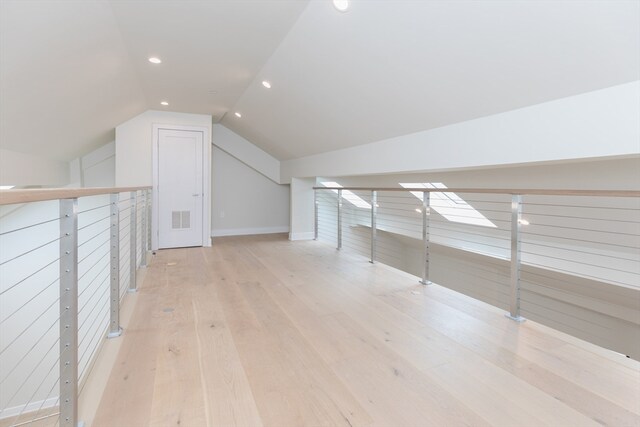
(155, 60)
(266, 84)
(238, 115)
(341, 5)
(165, 103)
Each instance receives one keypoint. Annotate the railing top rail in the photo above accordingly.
(10, 197)
(513, 191)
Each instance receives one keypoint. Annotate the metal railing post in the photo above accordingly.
(315, 214)
(114, 296)
(514, 299)
(426, 212)
(133, 243)
(148, 212)
(374, 217)
(143, 230)
(69, 312)
(339, 219)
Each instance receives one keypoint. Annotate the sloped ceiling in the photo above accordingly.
(390, 68)
(70, 71)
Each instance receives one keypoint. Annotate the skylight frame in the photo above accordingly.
(349, 196)
(450, 204)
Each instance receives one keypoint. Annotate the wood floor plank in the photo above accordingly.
(260, 331)
(290, 368)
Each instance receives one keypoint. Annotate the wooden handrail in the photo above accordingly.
(10, 197)
(512, 191)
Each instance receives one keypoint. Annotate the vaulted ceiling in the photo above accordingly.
(70, 71)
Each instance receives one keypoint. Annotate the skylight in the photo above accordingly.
(450, 205)
(349, 196)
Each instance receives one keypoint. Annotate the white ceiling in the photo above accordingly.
(70, 71)
(390, 68)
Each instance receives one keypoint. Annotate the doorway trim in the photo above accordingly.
(206, 184)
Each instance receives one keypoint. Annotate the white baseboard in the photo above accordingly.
(31, 407)
(308, 235)
(248, 231)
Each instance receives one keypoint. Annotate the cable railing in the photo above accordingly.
(67, 259)
(567, 259)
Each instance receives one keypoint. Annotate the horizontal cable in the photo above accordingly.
(589, 229)
(123, 237)
(580, 217)
(98, 332)
(125, 255)
(95, 318)
(38, 341)
(30, 325)
(527, 243)
(94, 236)
(106, 242)
(524, 233)
(96, 263)
(471, 233)
(590, 264)
(580, 206)
(94, 222)
(30, 250)
(30, 226)
(587, 276)
(467, 241)
(93, 209)
(37, 388)
(47, 397)
(95, 305)
(44, 417)
(88, 286)
(31, 299)
(29, 276)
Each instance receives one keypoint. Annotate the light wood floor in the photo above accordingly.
(260, 331)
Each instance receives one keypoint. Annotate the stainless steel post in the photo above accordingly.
(114, 296)
(374, 217)
(514, 299)
(426, 212)
(315, 214)
(143, 229)
(147, 212)
(339, 219)
(133, 243)
(69, 312)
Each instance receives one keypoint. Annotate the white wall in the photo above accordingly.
(243, 200)
(96, 169)
(134, 154)
(597, 124)
(242, 149)
(302, 209)
(134, 144)
(22, 169)
(609, 174)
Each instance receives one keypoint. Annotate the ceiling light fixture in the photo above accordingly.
(238, 115)
(6, 187)
(266, 84)
(341, 5)
(165, 103)
(155, 60)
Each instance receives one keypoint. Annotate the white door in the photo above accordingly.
(180, 188)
